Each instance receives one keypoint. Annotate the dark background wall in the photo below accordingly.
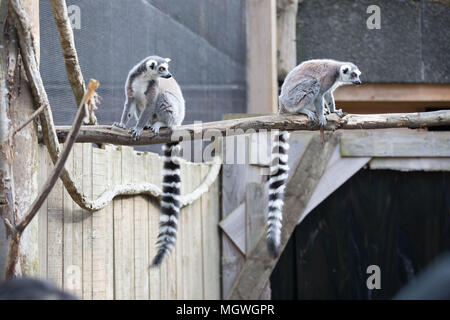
(205, 39)
(399, 221)
(411, 46)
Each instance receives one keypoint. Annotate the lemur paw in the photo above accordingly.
(136, 133)
(154, 128)
(119, 124)
(311, 116)
(339, 112)
(322, 121)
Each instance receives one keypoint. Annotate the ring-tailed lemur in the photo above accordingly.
(155, 99)
(305, 90)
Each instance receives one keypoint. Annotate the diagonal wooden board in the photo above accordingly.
(234, 226)
(307, 173)
(337, 172)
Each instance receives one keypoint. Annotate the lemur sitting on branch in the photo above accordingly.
(155, 99)
(305, 90)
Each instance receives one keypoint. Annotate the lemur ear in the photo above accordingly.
(167, 60)
(151, 64)
(345, 70)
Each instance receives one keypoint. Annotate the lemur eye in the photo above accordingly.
(353, 75)
(162, 68)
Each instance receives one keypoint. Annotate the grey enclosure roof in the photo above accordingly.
(204, 39)
(411, 46)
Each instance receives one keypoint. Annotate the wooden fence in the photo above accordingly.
(105, 255)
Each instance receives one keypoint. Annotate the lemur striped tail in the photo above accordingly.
(277, 182)
(170, 201)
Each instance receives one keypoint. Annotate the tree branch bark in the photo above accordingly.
(113, 135)
(48, 186)
(40, 98)
(6, 160)
(73, 70)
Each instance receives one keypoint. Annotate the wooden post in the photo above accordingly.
(25, 141)
(6, 172)
(258, 266)
(286, 37)
(261, 56)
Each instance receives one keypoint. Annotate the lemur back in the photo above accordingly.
(155, 99)
(305, 90)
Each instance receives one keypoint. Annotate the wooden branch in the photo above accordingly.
(307, 173)
(50, 139)
(114, 135)
(73, 70)
(32, 117)
(48, 186)
(48, 133)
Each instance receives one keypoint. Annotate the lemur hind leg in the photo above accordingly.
(310, 114)
(144, 118)
(166, 113)
(329, 101)
(318, 103)
(128, 108)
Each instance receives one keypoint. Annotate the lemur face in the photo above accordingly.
(350, 74)
(158, 67)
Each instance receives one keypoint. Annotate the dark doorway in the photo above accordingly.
(398, 221)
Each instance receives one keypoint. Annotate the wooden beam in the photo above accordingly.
(261, 56)
(395, 143)
(410, 164)
(394, 92)
(106, 134)
(307, 173)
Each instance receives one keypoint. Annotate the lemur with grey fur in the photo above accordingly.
(305, 90)
(154, 98)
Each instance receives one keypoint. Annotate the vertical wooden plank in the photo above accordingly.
(127, 227)
(72, 269)
(140, 231)
(261, 53)
(109, 227)
(192, 245)
(183, 222)
(116, 178)
(196, 227)
(154, 167)
(87, 223)
(234, 179)
(210, 239)
(42, 216)
(55, 232)
(179, 250)
(99, 171)
(256, 204)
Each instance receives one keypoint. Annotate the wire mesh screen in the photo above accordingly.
(204, 38)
